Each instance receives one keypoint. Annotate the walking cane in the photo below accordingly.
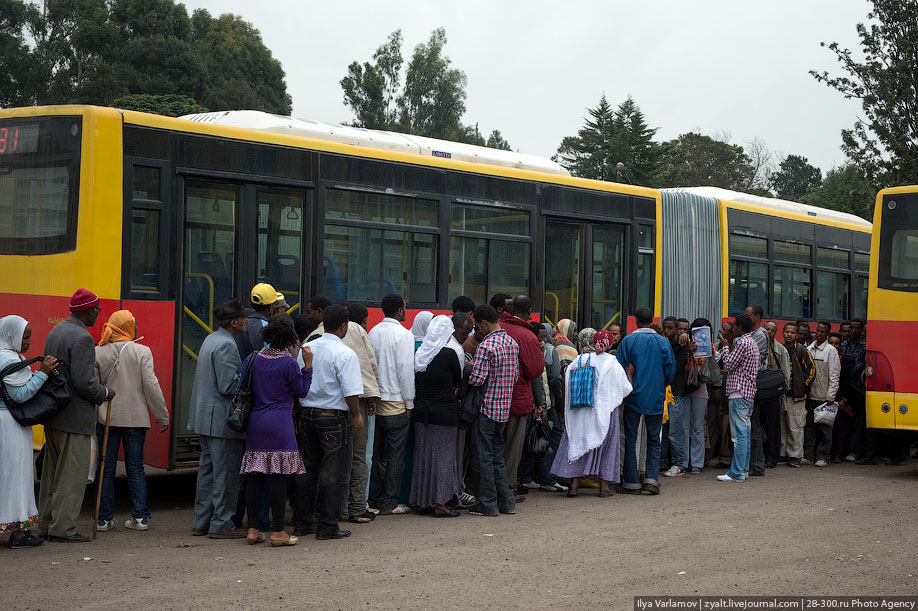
(99, 475)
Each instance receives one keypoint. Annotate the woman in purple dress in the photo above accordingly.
(272, 457)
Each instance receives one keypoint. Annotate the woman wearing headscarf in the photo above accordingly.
(17, 490)
(126, 367)
(590, 446)
(585, 340)
(564, 339)
(272, 456)
(419, 327)
(434, 480)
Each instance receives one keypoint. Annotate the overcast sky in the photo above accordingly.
(534, 67)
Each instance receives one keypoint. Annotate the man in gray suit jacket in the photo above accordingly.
(67, 435)
(215, 380)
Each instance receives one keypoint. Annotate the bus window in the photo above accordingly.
(791, 252)
(748, 285)
(898, 252)
(645, 269)
(860, 296)
(145, 250)
(831, 257)
(280, 239)
(832, 295)
(792, 292)
(480, 268)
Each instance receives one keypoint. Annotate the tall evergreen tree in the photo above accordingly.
(795, 178)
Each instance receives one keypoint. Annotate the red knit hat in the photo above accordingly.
(83, 300)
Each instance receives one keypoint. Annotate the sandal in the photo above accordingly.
(572, 491)
(259, 539)
(605, 493)
(292, 540)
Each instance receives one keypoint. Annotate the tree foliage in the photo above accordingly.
(695, 159)
(609, 138)
(429, 102)
(99, 51)
(171, 105)
(845, 189)
(883, 144)
(795, 178)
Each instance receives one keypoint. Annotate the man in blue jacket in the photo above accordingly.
(649, 360)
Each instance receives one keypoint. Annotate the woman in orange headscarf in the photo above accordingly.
(127, 368)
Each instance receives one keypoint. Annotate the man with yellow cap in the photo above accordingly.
(264, 302)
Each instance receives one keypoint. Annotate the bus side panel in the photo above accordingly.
(156, 325)
(886, 336)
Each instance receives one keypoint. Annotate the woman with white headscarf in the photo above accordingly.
(17, 491)
(434, 481)
(419, 327)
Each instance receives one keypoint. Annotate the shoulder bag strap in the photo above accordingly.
(115, 366)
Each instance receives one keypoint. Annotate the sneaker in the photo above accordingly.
(479, 510)
(695, 471)
(794, 462)
(806, 461)
(105, 525)
(726, 478)
(400, 509)
(467, 499)
(821, 462)
(556, 487)
(137, 524)
(867, 460)
(25, 541)
(850, 458)
(531, 485)
(674, 471)
(782, 460)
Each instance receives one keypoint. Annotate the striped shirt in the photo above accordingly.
(497, 362)
(742, 364)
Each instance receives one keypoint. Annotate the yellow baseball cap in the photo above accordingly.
(263, 294)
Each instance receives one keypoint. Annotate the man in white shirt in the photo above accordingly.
(394, 348)
(817, 439)
(329, 411)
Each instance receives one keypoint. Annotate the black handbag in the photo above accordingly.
(238, 420)
(537, 441)
(471, 400)
(53, 396)
(770, 383)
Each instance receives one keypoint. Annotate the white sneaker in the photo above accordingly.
(821, 463)
(105, 525)
(137, 524)
(400, 509)
(556, 487)
(674, 471)
(531, 485)
(806, 461)
(850, 458)
(726, 478)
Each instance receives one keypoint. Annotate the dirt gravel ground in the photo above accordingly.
(842, 530)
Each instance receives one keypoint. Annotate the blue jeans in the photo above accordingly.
(676, 431)
(693, 413)
(389, 443)
(132, 439)
(741, 429)
(654, 423)
(492, 489)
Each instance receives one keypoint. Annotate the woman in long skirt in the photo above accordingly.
(17, 489)
(434, 481)
(590, 446)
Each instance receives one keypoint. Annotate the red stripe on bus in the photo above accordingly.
(896, 340)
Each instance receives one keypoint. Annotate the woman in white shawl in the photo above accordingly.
(419, 327)
(17, 491)
(590, 446)
(434, 478)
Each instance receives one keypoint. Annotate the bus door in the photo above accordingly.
(234, 236)
(584, 271)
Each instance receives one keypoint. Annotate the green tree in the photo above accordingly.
(795, 178)
(609, 138)
(884, 144)
(168, 105)
(371, 90)
(694, 160)
(496, 141)
(845, 189)
(16, 59)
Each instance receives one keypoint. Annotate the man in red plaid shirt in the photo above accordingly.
(741, 360)
(497, 367)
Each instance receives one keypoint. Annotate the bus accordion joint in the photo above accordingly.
(879, 372)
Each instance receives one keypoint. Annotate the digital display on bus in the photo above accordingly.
(19, 138)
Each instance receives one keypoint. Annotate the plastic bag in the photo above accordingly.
(710, 372)
(93, 459)
(581, 383)
(825, 414)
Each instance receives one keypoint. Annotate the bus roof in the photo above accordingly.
(373, 138)
(772, 205)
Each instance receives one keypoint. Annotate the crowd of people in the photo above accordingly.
(465, 412)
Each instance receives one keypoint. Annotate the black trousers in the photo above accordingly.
(770, 420)
(277, 496)
(325, 444)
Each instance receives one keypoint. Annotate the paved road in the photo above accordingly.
(843, 530)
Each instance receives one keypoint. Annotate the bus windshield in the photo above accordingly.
(898, 263)
(39, 184)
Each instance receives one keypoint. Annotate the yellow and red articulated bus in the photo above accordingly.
(892, 326)
(168, 217)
